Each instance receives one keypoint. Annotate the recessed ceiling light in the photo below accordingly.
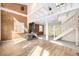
(50, 8)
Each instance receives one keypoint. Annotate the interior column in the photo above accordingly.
(46, 30)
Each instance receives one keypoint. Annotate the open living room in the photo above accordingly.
(39, 29)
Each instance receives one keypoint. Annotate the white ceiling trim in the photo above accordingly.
(64, 11)
(35, 10)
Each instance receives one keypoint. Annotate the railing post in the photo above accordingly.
(54, 31)
(76, 29)
(76, 36)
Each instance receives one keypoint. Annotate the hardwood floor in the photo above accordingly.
(36, 48)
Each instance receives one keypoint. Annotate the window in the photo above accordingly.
(18, 27)
(40, 28)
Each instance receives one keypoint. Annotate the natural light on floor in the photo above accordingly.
(39, 51)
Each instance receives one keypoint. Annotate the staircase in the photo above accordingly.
(64, 33)
(70, 27)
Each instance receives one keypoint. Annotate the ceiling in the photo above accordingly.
(39, 12)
